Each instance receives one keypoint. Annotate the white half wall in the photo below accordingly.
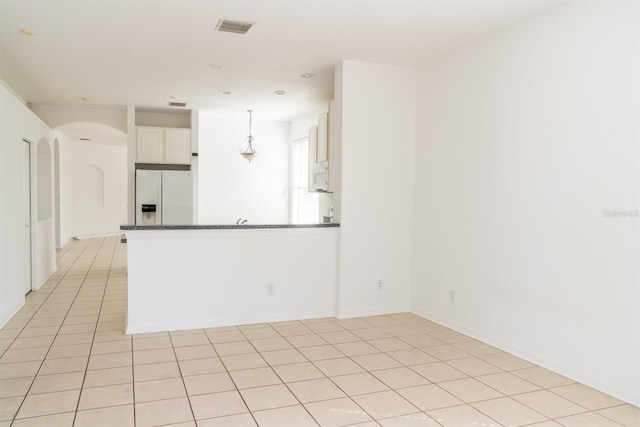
(527, 144)
(18, 123)
(377, 105)
(99, 188)
(186, 279)
(229, 187)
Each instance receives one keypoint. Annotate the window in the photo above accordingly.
(305, 206)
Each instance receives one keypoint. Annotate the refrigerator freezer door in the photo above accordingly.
(177, 198)
(148, 197)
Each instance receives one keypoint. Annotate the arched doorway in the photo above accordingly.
(92, 180)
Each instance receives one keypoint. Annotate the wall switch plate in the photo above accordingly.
(271, 289)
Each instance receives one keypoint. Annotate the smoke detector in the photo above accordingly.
(237, 27)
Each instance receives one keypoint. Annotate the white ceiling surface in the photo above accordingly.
(136, 52)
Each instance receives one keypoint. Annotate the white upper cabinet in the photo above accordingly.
(163, 145)
(177, 146)
(319, 155)
(313, 139)
(322, 149)
(149, 146)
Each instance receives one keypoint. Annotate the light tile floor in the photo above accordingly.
(65, 360)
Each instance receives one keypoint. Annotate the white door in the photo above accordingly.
(26, 213)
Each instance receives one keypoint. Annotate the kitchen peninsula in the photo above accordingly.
(199, 276)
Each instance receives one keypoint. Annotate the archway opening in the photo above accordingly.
(93, 177)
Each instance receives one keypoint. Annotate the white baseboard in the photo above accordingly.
(347, 314)
(218, 323)
(93, 236)
(46, 277)
(12, 312)
(628, 396)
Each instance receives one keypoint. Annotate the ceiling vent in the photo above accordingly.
(234, 26)
(177, 104)
(85, 139)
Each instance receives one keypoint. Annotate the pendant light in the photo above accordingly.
(249, 153)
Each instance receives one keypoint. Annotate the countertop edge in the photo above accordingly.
(225, 227)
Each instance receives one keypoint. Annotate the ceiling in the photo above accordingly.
(144, 52)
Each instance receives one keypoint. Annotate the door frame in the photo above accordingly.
(29, 162)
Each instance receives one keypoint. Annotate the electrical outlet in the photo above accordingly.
(452, 295)
(380, 285)
(271, 289)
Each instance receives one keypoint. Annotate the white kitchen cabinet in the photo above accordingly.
(163, 145)
(313, 138)
(149, 145)
(177, 146)
(322, 148)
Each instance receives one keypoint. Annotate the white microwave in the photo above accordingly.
(320, 177)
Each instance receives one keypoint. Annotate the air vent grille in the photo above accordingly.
(85, 139)
(234, 26)
(177, 104)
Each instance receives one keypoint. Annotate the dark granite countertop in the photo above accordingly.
(225, 226)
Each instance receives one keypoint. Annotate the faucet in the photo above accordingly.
(240, 221)
(243, 222)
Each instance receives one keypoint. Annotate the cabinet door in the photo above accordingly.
(149, 147)
(178, 146)
(323, 148)
(313, 139)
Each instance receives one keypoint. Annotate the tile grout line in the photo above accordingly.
(55, 336)
(63, 290)
(184, 385)
(279, 377)
(84, 377)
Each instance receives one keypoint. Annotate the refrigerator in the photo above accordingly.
(164, 197)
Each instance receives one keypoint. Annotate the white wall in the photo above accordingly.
(16, 123)
(523, 141)
(43, 260)
(229, 187)
(377, 137)
(223, 277)
(99, 188)
(66, 184)
(58, 115)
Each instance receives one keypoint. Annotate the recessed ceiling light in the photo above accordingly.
(169, 97)
(26, 31)
(214, 66)
(224, 92)
(279, 92)
(84, 99)
(308, 75)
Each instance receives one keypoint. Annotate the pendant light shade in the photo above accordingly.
(249, 153)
